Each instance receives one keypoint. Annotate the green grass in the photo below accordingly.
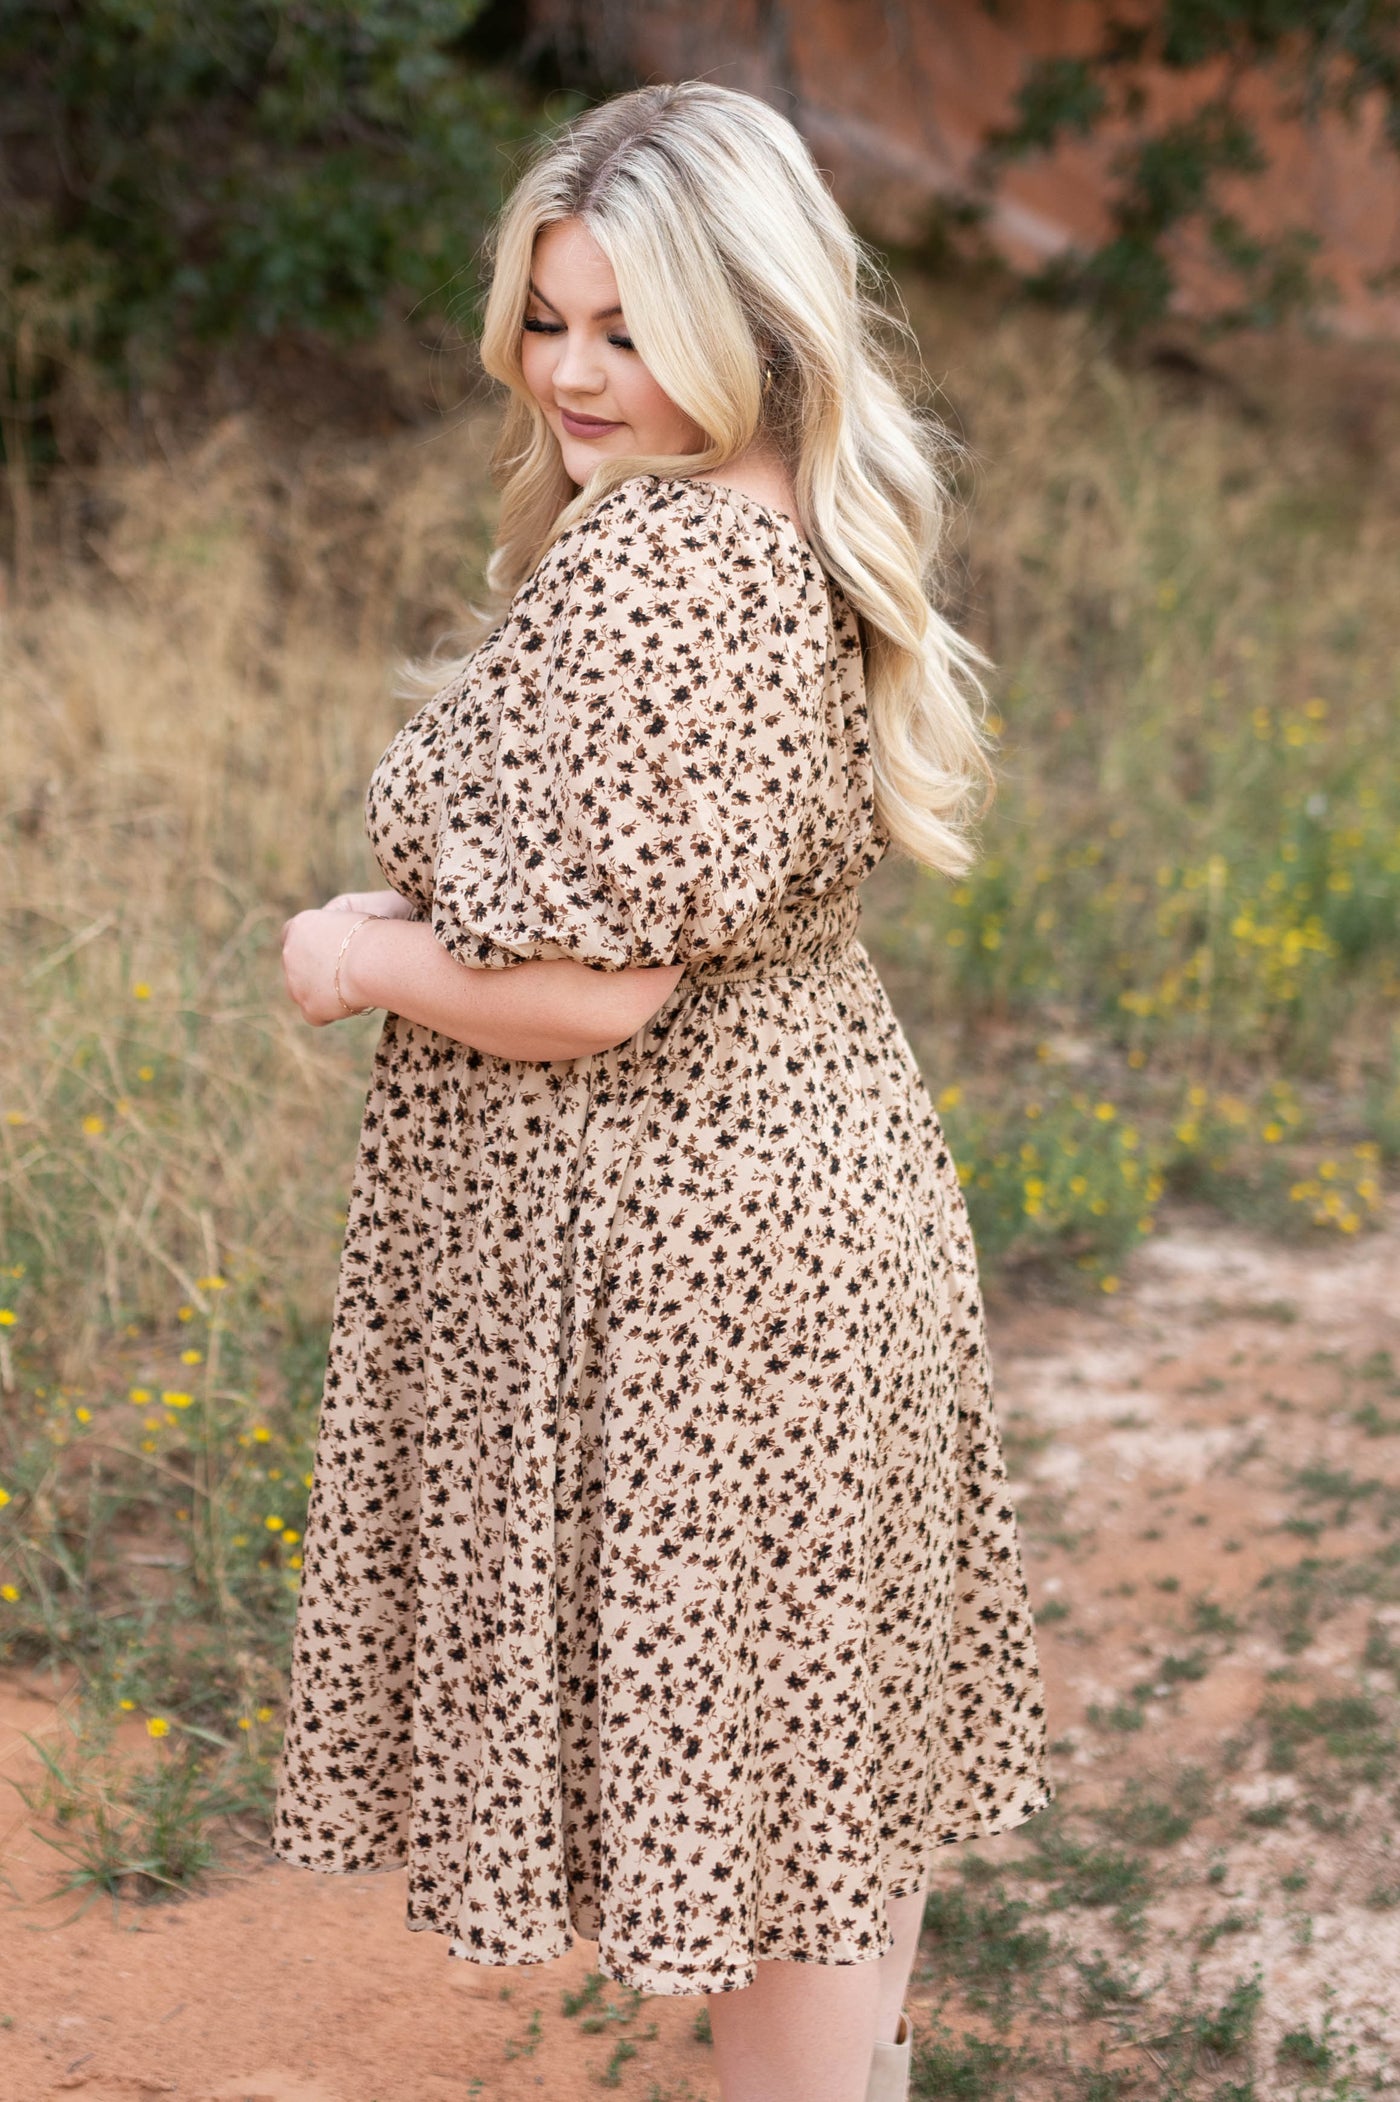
(1145, 1819)
(945, 2068)
(1348, 1728)
(1079, 1872)
(1228, 2029)
(989, 1943)
(123, 1827)
(1103, 1988)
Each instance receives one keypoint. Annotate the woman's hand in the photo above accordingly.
(385, 904)
(310, 945)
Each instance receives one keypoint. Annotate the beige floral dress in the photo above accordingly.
(660, 1580)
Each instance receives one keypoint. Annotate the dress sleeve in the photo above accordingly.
(655, 750)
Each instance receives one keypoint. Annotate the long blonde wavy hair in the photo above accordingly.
(732, 257)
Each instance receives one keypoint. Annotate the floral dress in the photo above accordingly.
(660, 1579)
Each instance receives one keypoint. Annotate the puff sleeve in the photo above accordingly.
(653, 740)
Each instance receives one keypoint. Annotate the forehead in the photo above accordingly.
(570, 268)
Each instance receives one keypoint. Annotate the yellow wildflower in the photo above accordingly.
(140, 991)
(191, 1357)
(273, 1523)
(8, 1317)
(157, 1726)
(9, 1592)
(175, 1400)
(93, 1126)
(1108, 1284)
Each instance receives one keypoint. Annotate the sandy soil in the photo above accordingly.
(1156, 1439)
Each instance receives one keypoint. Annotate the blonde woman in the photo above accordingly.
(660, 1582)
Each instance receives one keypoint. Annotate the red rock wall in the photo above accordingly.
(895, 97)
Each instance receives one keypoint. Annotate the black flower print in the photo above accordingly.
(660, 1580)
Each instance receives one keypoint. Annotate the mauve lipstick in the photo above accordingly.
(586, 426)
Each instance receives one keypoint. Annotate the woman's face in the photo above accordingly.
(597, 396)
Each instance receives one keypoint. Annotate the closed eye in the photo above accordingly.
(556, 328)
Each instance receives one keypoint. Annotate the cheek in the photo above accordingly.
(537, 354)
(653, 415)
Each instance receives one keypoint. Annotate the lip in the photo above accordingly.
(586, 426)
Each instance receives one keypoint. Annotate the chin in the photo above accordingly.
(581, 456)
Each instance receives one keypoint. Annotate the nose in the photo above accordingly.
(576, 369)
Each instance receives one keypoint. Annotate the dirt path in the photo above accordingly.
(1207, 1470)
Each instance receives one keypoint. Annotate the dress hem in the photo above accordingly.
(664, 1984)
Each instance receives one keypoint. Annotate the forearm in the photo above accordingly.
(551, 1009)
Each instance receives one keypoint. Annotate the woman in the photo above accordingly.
(660, 1582)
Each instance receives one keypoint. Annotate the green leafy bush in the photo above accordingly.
(243, 166)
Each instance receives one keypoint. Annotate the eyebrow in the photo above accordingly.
(606, 314)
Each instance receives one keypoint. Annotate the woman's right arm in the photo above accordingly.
(384, 904)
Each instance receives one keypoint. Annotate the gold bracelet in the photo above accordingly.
(335, 980)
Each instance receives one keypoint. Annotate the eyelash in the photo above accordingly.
(553, 328)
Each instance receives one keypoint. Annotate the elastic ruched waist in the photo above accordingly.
(815, 962)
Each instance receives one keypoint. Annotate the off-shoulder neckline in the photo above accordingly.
(727, 492)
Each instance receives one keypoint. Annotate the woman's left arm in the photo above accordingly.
(543, 1009)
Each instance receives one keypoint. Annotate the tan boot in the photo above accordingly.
(889, 2068)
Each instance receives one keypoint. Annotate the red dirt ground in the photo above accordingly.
(1180, 1409)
